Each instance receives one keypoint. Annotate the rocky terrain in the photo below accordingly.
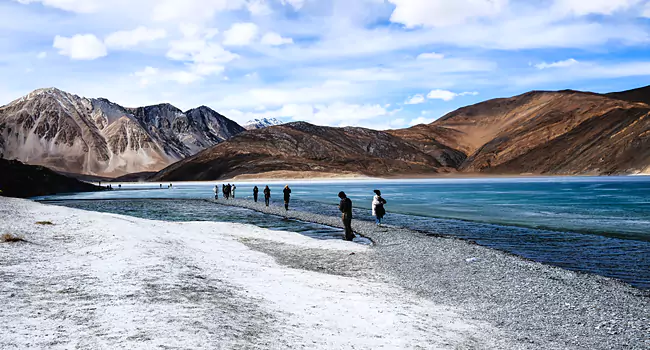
(69, 133)
(302, 146)
(261, 123)
(24, 181)
(540, 132)
(558, 133)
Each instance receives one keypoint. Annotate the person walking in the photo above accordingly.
(378, 210)
(267, 195)
(233, 190)
(255, 192)
(345, 206)
(287, 196)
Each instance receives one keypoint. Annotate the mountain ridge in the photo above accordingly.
(565, 132)
(96, 136)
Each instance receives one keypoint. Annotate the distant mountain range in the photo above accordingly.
(540, 132)
(261, 123)
(69, 133)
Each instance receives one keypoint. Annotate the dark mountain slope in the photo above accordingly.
(24, 181)
(305, 147)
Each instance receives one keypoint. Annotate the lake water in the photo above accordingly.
(598, 225)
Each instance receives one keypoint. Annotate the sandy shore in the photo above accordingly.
(103, 281)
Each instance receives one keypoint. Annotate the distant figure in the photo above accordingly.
(119, 186)
(160, 185)
(267, 195)
(100, 184)
(216, 192)
(287, 196)
(378, 210)
(223, 190)
(346, 209)
(228, 190)
(233, 190)
(171, 186)
(255, 192)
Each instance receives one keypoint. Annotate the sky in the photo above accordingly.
(381, 64)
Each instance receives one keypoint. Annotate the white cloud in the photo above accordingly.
(240, 34)
(258, 8)
(196, 10)
(131, 38)
(446, 95)
(420, 120)
(430, 56)
(645, 12)
(41, 55)
(275, 39)
(440, 13)
(80, 47)
(559, 64)
(80, 6)
(297, 4)
(601, 7)
(147, 75)
(417, 99)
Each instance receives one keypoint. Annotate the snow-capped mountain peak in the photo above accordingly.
(262, 123)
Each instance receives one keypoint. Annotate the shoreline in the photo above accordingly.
(571, 308)
(449, 293)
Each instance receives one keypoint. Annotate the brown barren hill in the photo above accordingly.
(302, 146)
(555, 133)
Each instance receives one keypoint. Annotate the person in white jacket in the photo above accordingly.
(378, 210)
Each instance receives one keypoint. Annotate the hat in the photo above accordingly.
(377, 192)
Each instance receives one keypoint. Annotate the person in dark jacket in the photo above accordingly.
(267, 195)
(223, 191)
(228, 189)
(346, 209)
(287, 196)
(233, 191)
(255, 192)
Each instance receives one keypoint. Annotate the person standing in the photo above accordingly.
(233, 190)
(216, 192)
(267, 195)
(345, 206)
(287, 196)
(255, 192)
(223, 190)
(378, 210)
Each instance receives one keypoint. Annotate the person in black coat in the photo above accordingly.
(255, 192)
(345, 206)
(287, 196)
(267, 195)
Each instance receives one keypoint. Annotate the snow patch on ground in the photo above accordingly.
(95, 280)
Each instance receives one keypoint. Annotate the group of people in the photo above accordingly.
(228, 191)
(345, 206)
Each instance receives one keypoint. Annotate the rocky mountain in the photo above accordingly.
(560, 133)
(302, 146)
(540, 132)
(262, 123)
(96, 136)
(24, 181)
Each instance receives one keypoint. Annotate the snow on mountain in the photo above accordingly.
(261, 123)
(69, 133)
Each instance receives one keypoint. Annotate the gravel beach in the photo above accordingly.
(536, 306)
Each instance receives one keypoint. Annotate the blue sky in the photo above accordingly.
(372, 63)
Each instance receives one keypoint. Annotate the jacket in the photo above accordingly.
(378, 203)
(345, 206)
